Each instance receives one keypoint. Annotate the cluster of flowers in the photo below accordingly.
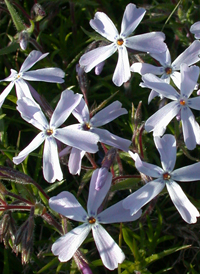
(83, 137)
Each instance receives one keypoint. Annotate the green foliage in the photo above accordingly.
(160, 242)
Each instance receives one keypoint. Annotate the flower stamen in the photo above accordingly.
(182, 102)
(49, 132)
(91, 220)
(166, 176)
(120, 42)
(168, 71)
(86, 126)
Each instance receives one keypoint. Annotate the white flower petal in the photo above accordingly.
(149, 42)
(195, 29)
(159, 85)
(110, 253)
(11, 77)
(187, 210)
(176, 78)
(66, 204)
(152, 95)
(104, 26)
(51, 165)
(110, 139)
(81, 112)
(68, 101)
(66, 246)
(31, 112)
(194, 103)
(164, 58)
(122, 71)
(162, 117)
(143, 68)
(117, 214)
(5, 93)
(108, 114)
(22, 89)
(166, 147)
(189, 127)
(33, 57)
(83, 140)
(92, 58)
(131, 19)
(96, 197)
(36, 142)
(50, 75)
(146, 168)
(142, 196)
(190, 56)
(187, 173)
(189, 77)
(75, 160)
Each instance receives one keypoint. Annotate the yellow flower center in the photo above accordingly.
(120, 42)
(91, 220)
(86, 126)
(168, 71)
(182, 102)
(166, 176)
(49, 132)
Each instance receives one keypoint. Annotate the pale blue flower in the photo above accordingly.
(169, 69)
(149, 42)
(66, 204)
(50, 75)
(32, 113)
(104, 116)
(181, 104)
(165, 176)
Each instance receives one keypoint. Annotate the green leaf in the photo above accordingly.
(126, 184)
(48, 266)
(15, 17)
(164, 253)
(128, 237)
(9, 49)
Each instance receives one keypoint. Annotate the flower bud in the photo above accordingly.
(109, 158)
(82, 79)
(101, 178)
(37, 12)
(23, 39)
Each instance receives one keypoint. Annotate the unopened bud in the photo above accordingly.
(101, 178)
(82, 263)
(23, 39)
(98, 69)
(37, 12)
(138, 114)
(109, 158)
(82, 79)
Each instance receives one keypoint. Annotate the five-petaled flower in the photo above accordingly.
(50, 75)
(32, 113)
(169, 69)
(66, 204)
(165, 176)
(104, 116)
(180, 106)
(149, 42)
